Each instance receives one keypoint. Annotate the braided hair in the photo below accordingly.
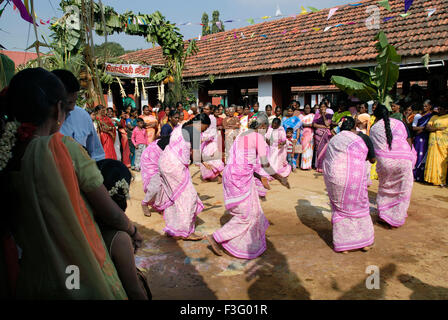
(381, 112)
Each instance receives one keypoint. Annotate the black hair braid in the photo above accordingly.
(388, 131)
(381, 112)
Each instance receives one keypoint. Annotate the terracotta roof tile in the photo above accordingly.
(415, 35)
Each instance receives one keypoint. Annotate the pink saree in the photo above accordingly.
(178, 198)
(149, 165)
(244, 235)
(395, 173)
(307, 142)
(277, 157)
(345, 177)
(210, 152)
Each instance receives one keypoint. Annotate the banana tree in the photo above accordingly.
(376, 83)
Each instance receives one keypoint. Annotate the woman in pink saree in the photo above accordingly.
(244, 235)
(212, 165)
(322, 135)
(149, 164)
(396, 160)
(307, 138)
(345, 177)
(276, 138)
(179, 200)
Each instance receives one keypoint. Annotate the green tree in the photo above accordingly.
(205, 26)
(215, 19)
(376, 83)
(111, 49)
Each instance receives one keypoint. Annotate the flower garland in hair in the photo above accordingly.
(7, 142)
(122, 184)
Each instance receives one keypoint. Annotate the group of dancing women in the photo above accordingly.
(259, 155)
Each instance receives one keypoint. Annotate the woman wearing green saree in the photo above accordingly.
(57, 193)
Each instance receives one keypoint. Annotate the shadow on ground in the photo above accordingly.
(168, 275)
(313, 217)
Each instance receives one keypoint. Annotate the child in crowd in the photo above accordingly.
(140, 141)
(290, 143)
(120, 246)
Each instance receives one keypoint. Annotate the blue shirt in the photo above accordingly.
(79, 126)
(166, 130)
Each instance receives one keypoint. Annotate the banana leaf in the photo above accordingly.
(354, 88)
(7, 69)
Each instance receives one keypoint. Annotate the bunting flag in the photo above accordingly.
(251, 21)
(316, 29)
(431, 12)
(355, 4)
(385, 4)
(404, 15)
(388, 18)
(252, 35)
(218, 24)
(407, 5)
(278, 13)
(313, 9)
(264, 36)
(332, 12)
(242, 36)
(24, 13)
(303, 10)
(266, 17)
(234, 36)
(327, 28)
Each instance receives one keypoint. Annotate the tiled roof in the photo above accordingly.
(322, 88)
(287, 47)
(20, 57)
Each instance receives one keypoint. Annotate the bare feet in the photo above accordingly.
(194, 237)
(365, 249)
(219, 179)
(265, 183)
(215, 246)
(263, 198)
(344, 252)
(146, 211)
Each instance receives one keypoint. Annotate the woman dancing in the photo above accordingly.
(346, 179)
(179, 200)
(396, 159)
(244, 235)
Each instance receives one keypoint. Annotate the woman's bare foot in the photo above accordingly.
(365, 249)
(263, 198)
(146, 211)
(344, 252)
(219, 179)
(265, 183)
(193, 237)
(215, 246)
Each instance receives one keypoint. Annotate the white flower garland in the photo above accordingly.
(120, 184)
(7, 142)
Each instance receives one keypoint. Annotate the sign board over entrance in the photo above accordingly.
(128, 70)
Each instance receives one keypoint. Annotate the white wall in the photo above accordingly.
(264, 91)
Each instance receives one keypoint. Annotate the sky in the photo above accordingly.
(17, 34)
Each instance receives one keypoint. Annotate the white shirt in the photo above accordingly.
(79, 126)
(416, 118)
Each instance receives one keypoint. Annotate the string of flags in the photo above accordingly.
(331, 12)
(23, 7)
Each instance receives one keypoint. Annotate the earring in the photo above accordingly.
(59, 123)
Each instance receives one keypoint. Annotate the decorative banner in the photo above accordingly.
(407, 5)
(218, 24)
(128, 70)
(332, 12)
(404, 15)
(385, 4)
(313, 9)
(327, 28)
(23, 11)
(431, 12)
(388, 18)
(355, 4)
(251, 21)
(266, 17)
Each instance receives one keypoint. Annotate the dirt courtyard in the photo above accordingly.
(299, 262)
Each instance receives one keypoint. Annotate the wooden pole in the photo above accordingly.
(33, 15)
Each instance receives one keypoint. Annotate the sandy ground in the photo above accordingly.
(299, 262)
